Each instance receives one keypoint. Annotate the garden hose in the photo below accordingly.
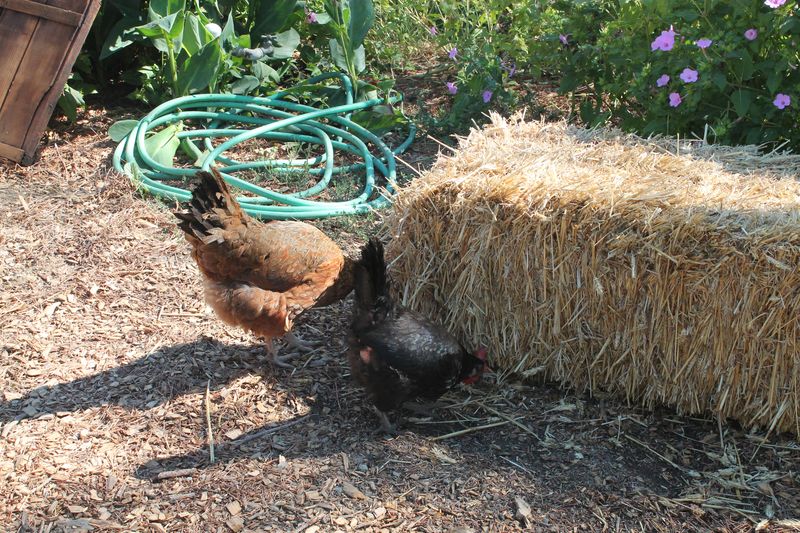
(239, 118)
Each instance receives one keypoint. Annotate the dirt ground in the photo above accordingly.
(112, 369)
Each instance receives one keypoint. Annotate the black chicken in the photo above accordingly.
(397, 354)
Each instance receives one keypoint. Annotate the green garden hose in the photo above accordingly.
(240, 118)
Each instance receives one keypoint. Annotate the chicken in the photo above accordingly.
(260, 275)
(397, 354)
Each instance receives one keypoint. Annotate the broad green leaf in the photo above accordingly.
(121, 128)
(163, 8)
(359, 59)
(337, 54)
(158, 27)
(228, 35)
(197, 72)
(245, 85)
(270, 17)
(741, 101)
(122, 34)
(285, 44)
(362, 16)
(195, 35)
(163, 145)
(379, 119)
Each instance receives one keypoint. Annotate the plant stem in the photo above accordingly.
(173, 65)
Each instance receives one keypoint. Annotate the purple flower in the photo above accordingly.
(782, 100)
(433, 31)
(688, 75)
(663, 80)
(487, 95)
(452, 53)
(751, 34)
(511, 70)
(665, 41)
(563, 39)
(773, 4)
(311, 17)
(674, 99)
(704, 43)
(451, 87)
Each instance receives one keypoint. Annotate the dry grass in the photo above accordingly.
(663, 272)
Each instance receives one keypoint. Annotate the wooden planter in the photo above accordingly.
(39, 42)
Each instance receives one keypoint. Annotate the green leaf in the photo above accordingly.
(264, 72)
(197, 72)
(158, 27)
(743, 66)
(163, 145)
(270, 17)
(162, 8)
(122, 34)
(69, 102)
(228, 34)
(246, 84)
(195, 35)
(121, 128)
(362, 16)
(337, 54)
(774, 81)
(741, 101)
(379, 119)
(285, 44)
(359, 59)
(719, 79)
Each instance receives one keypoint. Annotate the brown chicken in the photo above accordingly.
(260, 275)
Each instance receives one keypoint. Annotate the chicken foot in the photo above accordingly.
(272, 353)
(386, 425)
(300, 344)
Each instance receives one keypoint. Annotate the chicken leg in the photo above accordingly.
(386, 425)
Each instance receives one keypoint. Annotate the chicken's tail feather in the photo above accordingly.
(371, 285)
(209, 194)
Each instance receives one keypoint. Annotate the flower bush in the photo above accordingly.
(725, 68)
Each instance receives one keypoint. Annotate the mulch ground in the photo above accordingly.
(113, 370)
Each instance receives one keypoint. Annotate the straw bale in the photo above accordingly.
(664, 272)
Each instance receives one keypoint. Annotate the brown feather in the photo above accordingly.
(260, 275)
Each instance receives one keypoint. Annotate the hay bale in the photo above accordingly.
(609, 263)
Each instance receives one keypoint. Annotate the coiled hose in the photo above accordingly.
(241, 118)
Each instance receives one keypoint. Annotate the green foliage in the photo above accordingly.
(609, 60)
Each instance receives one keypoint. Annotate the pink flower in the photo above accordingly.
(311, 17)
(663, 80)
(774, 3)
(451, 87)
(751, 34)
(452, 53)
(688, 75)
(432, 30)
(665, 41)
(563, 39)
(487, 95)
(674, 99)
(704, 43)
(782, 100)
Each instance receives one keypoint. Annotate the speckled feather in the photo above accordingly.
(397, 354)
(260, 276)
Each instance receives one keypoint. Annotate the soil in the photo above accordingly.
(115, 377)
